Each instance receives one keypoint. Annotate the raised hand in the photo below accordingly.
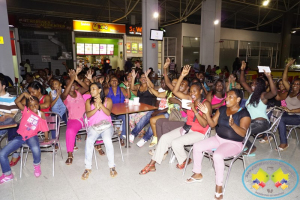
(78, 69)
(89, 74)
(58, 91)
(167, 63)
(268, 74)
(126, 83)
(290, 62)
(28, 96)
(185, 70)
(72, 74)
(133, 74)
(243, 67)
(231, 122)
(147, 72)
(202, 108)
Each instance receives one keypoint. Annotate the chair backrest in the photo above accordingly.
(53, 122)
(117, 124)
(85, 121)
(275, 119)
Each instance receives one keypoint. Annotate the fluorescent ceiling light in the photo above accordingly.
(266, 2)
(293, 31)
(216, 22)
(155, 14)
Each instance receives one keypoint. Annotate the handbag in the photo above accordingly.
(102, 126)
(18, 117)
(175, 115)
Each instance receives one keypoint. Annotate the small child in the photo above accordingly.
(33, 121)
(57, 104)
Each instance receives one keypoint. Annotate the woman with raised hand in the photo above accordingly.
(232, 84)
(257, 103)
(291, 116)
(231, 122)
(98, 109)
(193, 131)
(118, 95)
(76, 107)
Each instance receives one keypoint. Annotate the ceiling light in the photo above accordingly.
(293, 31)
(249, 43)
(155, 14)
(266, 2)
(216, 22)
(196, 38)
(11, 26)
(196, 52)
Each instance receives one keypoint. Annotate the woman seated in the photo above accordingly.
(232, 83)
(98, 109)
(193, 131)
(231, 122)
(217, 95)
(291, 116)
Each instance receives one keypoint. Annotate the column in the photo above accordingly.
(210, 32)
(285, 38)
(6, 62)
(150, 48)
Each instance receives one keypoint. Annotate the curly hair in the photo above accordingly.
(259, 89)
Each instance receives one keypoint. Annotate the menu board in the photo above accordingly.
(140, 47)
(96, 49)
(110, 49)
(128, 47)
(88, 48)
(102, 49)
(80, 48)
(134, 47)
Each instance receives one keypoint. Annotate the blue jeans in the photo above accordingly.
(92, 136)
(123, 118)
(141, 124)
(13, 145)
(286, 119)
(53, 132)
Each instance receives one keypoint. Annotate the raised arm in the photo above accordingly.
(147, 78)
(18, 101)
(84, 87)
(134, 87)
(72, 75)
(167, 80)
(176, 91)
(273, 89)
(155, 92)
(242, 78)
(244, 125)
(285, 75)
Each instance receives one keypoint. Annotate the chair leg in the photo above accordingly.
(296, 135)
(60, 151)
(269, 141)
(96, 163)
(21, 166)
(276, 145)
(244, 163)
(53, 159)
(121, 148)
(227, 176)
(186, 163)
(172, 157)
(26, 156)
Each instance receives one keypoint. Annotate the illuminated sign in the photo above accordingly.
(87, 26)
(134, 30)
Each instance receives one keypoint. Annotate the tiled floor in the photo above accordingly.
(166, 183)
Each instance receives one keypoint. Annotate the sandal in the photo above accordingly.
(100, 150)
(282, 149)
(262, 141)
(193, 180)
(183, 164)
(218, 195)
(113, 172)
(69, 161)
(86, 174)
(153, 142)
(147, 169)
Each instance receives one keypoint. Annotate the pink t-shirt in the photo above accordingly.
(98, 116)
(75, 106)
(216, 100)
(86, 97)
(31, 124)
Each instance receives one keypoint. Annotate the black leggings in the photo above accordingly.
(257, 126)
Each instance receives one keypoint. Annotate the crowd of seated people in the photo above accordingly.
(92, 93)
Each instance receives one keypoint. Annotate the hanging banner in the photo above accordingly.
(44, 24)
(87, 26)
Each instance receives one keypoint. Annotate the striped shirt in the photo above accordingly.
(7, 104)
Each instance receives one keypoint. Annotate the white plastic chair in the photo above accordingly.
(53, 121)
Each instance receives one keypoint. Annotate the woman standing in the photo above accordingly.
(257, 103)
(233, 122)
(76, 107)
(98, 109)
(291, 116)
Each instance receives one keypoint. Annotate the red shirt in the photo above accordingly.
(31, 124)
(195, 124)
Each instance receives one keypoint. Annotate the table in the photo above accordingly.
(8, 126)
(121, 109)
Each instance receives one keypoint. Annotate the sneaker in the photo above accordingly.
(5, 178)
(37, 170)
(131, 138)
(141, 142)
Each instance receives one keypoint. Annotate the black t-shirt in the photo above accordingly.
(224, 130)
